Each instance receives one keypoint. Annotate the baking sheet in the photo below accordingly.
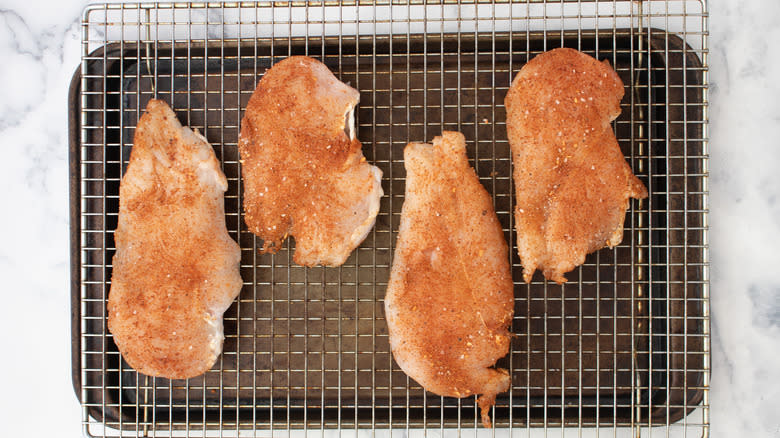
(307, 347)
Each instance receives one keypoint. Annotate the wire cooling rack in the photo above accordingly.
(622, 349)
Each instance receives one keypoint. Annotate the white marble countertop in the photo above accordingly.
(40, 49)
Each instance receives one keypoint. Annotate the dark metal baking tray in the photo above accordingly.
(620, 344)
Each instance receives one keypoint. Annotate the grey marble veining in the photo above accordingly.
(40, 49)
(745, 217)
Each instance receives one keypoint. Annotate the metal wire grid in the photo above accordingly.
(622, 348)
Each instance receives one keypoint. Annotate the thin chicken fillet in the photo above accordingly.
(176, 269)
(572, 182)
(449, 302)
(304, 172)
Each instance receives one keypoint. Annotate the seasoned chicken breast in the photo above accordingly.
(572, 182)
(449, 302)
(304, 172)
(176, 269)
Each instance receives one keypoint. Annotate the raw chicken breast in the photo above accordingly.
(449, 302)
(176, 269)
(304, 172)
(572, 182)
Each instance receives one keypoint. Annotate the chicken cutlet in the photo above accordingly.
(449, 301)
(176, 269)
(573, 184)
(304, 172)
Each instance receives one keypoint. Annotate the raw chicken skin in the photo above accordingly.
(449, 302)
(572, 181)
(176, 269)
(303, 174)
